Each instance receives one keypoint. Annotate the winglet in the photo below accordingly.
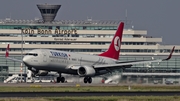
(170, 55)
(7, 51)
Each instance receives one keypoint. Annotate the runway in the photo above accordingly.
(80, 94)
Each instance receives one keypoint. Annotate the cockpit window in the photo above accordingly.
(34, 54)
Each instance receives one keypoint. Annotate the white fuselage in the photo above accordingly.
(61, 61)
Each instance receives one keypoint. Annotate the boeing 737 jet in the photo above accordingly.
(41, 61)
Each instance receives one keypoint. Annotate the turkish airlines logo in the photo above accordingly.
(117, 43)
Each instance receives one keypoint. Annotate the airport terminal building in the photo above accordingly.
(83, 36)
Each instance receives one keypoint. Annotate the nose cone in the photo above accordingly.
(26, 60)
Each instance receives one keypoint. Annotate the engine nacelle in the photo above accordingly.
(42, 73)
(86, 71)
(39, 72)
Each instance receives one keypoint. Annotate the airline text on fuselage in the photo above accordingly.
(59, 54)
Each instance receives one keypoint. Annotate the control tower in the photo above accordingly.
(48, 12)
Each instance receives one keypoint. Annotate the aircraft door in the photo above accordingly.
(44, 56)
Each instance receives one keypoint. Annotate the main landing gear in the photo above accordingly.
(87, 80)
(60, 79)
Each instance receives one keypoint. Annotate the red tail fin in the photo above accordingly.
(114, 48)
(7, 51)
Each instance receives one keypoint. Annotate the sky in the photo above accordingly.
(161, 18)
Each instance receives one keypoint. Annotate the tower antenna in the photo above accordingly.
(126, 17)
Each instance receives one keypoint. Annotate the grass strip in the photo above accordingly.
(38, 88)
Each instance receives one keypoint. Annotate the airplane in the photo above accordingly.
(42, 61)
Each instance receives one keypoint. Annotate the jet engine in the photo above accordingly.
(86, 71)
(39, 72)
(42, 73)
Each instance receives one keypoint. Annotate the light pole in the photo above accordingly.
(22, 57)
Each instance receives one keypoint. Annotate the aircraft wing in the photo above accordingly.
(14, 59)
(9, 58)
(128, 64)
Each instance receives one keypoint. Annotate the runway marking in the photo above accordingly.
(35, 86)
(78, 85)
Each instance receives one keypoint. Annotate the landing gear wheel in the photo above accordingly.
(58, 79)
(89, 80)
(85, 80)
(62, 79)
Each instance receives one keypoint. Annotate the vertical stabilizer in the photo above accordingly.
(115, 47)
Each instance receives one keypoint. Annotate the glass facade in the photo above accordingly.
(58, 27)
(165, 72)
(4, 72)
(170, 66)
